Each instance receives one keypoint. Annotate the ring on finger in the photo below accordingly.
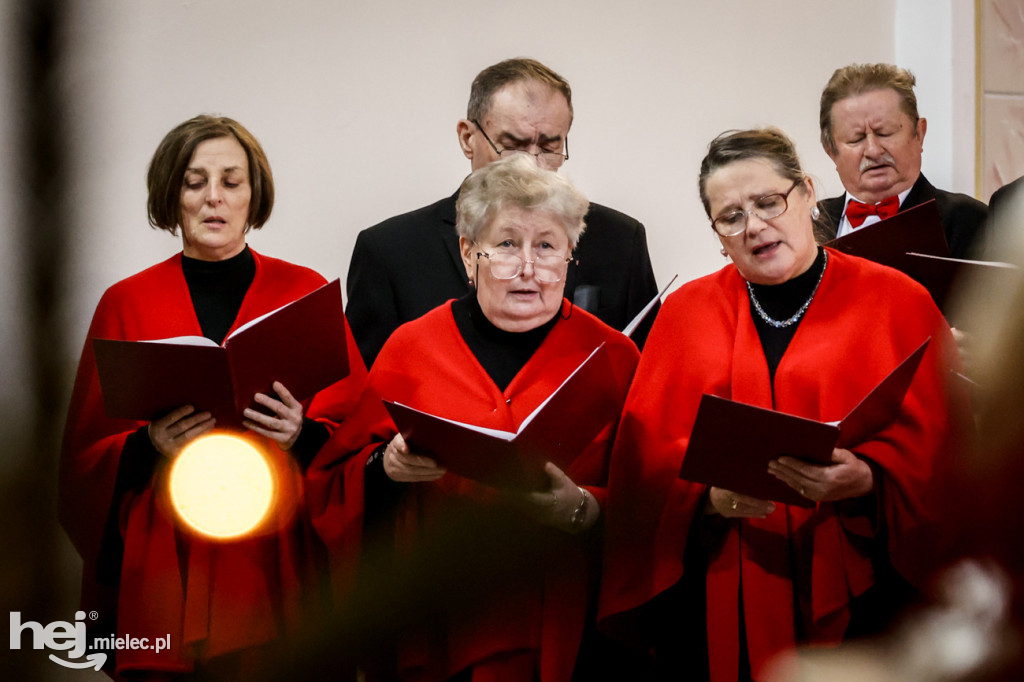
(802, 491)
(735, 503)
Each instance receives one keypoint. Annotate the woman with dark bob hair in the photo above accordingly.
(146, 574)
(716, 582)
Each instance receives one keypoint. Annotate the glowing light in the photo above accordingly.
(221, 486)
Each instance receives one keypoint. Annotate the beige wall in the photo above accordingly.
(356, 105)
(1002, 92)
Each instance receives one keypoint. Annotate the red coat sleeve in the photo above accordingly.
(92, 445)
(335, 487)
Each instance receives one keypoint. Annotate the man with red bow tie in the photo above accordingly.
(871, 129)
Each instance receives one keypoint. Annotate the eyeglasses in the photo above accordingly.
(548, 268)
(544, 158)
(767, 207)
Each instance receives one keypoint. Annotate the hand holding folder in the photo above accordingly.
(302, 345)
(557, 431)
(721, 455)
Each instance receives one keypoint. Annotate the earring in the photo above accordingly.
(815, 212)
(722, 251)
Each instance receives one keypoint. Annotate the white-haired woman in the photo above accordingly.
(497, 583)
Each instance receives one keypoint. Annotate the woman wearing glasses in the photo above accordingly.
(493, 584)
(721, 581)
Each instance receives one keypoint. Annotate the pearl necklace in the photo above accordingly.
(778, 324)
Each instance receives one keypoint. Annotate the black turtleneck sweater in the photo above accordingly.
(218, 289)
(502, 354)
(780, 302)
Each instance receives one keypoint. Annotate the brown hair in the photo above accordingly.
(494, 78)
(169, 162)
(857, 79)
(760, 143)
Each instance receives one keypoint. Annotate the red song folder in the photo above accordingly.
(301, 344)
(732, 443)
(891, 242)
(557, 431)
(941, 275)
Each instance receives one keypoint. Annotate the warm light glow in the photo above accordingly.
(221, 486)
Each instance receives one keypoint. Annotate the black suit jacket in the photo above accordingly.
(410, 264)
(1003, 198)
(963, 217)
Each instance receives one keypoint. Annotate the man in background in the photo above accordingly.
(410, 264)
(872, 131)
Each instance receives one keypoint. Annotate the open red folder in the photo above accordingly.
(732, 443)
(557, 431)
(891, 242)
(301, 344)
(917, 229)
(941, 275)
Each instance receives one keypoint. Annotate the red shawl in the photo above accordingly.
(798, 566)
(211, 598)
(427, 365)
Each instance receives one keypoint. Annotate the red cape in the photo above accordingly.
(427, 365)
(800, 567)
(221, 597)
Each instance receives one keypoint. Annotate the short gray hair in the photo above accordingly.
(517, 181)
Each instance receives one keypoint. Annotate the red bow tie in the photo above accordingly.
(856, 211)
